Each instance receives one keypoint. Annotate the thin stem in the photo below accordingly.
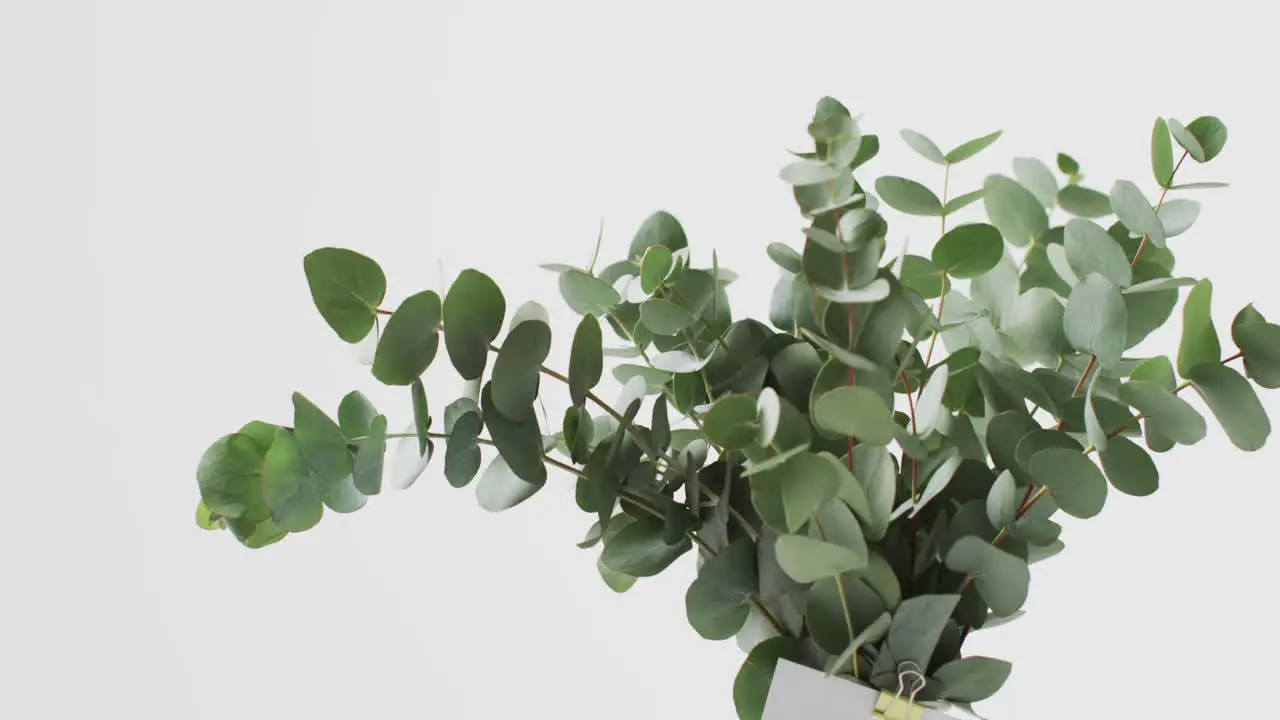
(928, 357)
(1165, 191)
(1093, 360)
(946, 184)
(844, 600)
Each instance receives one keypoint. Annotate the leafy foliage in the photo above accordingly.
(858, 496)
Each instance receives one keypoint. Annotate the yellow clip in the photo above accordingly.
(896, 707)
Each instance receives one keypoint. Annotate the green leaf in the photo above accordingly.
(1095, 321)
(499, 488)
(664, 317)
(716, 602)
(655, 266)
(855, 411)
(639, 549)
(1068, 164)
(1014, 210)
(1090, 249)
(808, 172)
(421, 417)
(1038, 178)
(205, 519)
(925, 147)
(462, 456)
(473, 312)
(367, 472)
(1034, 324)
(1002, 501)
(1187, 140)
(938, 481)
(355, 415)
(1166, 413)
(1002, 579)
(848, 358)
(971, 679)
(784, 256)
(1093, 428)
(967, 251)
(872, 633)
(1161, 154)
(410, 340)
(1129, 468)
(1178, 215)
(1156, 370)
(1233, 401)
(1078, 486)
(860, 226)
(287, 487)
(1158, 284)
(1199, 344)
(966, 150)
(917, 626)
(660, 228)
(1084, 202)
(1211, 134)
(960, 202)
(347, 288)
(586, 359)
(751, 686)
(1133, 209)
(517, 370)
(805, 559)
(731, 422)
(908, 196)
(324, 450)
(586, 294)
(1259, 342)
(518, 441)
(786, 496)
(921, 275)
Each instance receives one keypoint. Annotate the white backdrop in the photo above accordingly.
(165, 165)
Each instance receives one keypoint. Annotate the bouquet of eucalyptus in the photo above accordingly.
(866, 477)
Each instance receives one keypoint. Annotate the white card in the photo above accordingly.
(802, 693)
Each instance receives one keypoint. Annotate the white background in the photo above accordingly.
(165, 165)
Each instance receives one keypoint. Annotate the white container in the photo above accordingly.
(802, 693)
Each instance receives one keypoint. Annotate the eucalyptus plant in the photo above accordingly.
(865, 478)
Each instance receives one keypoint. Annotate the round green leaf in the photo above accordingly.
(966, 150)
(324, 450)
(731, 422)
(751, 686)
(1199, 344)
(1002, 579)
(410, 340)
(355, 415)
(654, 268)
(1233, 401)
(716, 602)
(1034, 324)
(1090, 249)
(971, 679)
(785, 256)
(925, 147)
(474, 309)
(229, 476)
(639, 549)
(1178, 215)
(518, 441)
(347, 288)
(1161, 153)
(586, 359)
(1129, 467)
(205, 519)
(462, 454)
(1078, 486)
(1094, 320)
(960, 202)
(518, 367)
(1166, 413)
(920, 274)
(664, 317)
(1187, 140)
(787, 495)
(805, 559)
(1211, 134)
(1036, 440)
(855, 411)
(1084, 202)
(367, 472)
(586, 294)
(808, 172)
(970, 250)
(1068, 164)
(501, 489)
(1038, 178)
(917, 626)
(908, 196)
(1259, 341)
(1133, 209)
(660, 228)
(1002, 501)
(1014, 210)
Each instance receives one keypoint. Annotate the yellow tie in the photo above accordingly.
(891, 707)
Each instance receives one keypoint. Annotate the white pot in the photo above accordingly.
(802, 693)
